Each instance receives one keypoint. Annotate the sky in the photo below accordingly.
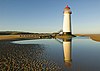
(47, 15)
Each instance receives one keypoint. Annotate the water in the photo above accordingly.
(78, 54)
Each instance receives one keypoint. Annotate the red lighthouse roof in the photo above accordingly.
(67, 7)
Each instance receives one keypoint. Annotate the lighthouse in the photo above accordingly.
(67, 21)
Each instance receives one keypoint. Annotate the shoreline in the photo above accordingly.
(95, 37)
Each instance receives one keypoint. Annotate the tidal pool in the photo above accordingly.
(76, 54)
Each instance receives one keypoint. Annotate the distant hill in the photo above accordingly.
(13, 33)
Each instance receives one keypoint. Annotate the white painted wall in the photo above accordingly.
(67, 22)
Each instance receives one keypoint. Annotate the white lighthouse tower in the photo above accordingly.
(67, 21)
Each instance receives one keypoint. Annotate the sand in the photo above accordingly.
(25, 57)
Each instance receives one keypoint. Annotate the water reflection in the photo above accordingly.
(76, 54)
(67, 52)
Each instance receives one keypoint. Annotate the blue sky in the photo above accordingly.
(47, 15)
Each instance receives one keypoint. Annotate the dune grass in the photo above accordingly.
(9, 37)
(95, 37)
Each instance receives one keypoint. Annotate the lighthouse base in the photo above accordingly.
(67, 33)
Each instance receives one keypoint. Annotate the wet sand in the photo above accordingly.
(25, 57)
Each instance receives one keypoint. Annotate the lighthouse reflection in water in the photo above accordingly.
(67, 52)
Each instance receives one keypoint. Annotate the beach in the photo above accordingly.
(25, 57)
